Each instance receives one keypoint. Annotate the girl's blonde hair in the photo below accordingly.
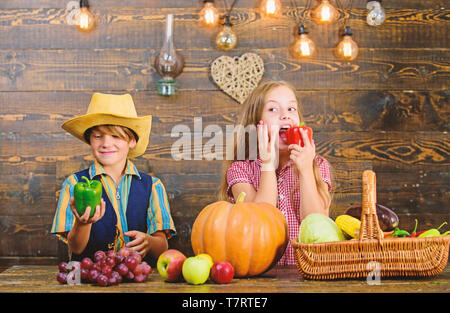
(251, 115)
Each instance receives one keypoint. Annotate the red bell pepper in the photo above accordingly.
(294, 136)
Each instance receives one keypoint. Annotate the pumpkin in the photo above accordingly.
(251, 236)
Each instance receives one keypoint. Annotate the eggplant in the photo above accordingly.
(387, 219)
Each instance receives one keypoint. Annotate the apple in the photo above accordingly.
(222, 272)
(196, 270)
(207, 257)
(170, 264)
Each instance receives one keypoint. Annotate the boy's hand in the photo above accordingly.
(140, 243)
(84, 219)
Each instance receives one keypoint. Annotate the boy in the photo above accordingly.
(134, 210)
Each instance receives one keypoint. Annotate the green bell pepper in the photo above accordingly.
(87, 194)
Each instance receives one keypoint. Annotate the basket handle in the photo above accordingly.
(370, 228)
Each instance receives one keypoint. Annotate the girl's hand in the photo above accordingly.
(140, 243)
(84, 219)
(303, 156)
(268, 146)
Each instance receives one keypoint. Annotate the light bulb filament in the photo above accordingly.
(304, 48)
(84, 20)
(270, 7)
(347, 49)
(325, 14)
(209, 16)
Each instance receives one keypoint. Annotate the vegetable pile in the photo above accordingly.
(320, 228)
(433, 232)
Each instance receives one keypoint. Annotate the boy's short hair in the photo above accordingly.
(121, 131)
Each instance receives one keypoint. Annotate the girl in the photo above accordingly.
(293, 178)
(134, 211)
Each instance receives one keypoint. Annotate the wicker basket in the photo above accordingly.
(403, 257)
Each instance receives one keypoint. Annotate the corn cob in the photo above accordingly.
(349, 225)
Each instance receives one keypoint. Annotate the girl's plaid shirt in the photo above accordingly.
(289, 192)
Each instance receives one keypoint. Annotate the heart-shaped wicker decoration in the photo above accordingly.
(238, 76)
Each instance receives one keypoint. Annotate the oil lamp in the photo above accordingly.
(168, 63)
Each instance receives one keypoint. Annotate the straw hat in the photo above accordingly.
(111, 109)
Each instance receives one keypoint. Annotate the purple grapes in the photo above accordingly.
(109, 268)
(61, 278)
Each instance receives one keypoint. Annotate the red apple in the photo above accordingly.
(170, 264)
(222, 272)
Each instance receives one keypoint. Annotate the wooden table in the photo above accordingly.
(42, 279)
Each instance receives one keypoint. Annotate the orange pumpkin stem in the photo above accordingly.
(241, 197)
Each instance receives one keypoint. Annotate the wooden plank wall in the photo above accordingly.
(388, 110)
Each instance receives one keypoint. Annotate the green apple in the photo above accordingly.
(207, 257)
(196, 270)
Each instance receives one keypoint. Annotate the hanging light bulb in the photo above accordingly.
(347, 49)
(208, 15)
(270, 8)
(226, 39)
(84, 20)
(324, 13)
(376, 15)
(169, 64)
(303, 47)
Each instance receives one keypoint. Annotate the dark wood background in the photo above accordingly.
(388, 110)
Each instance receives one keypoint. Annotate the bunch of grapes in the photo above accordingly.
(109, 268)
